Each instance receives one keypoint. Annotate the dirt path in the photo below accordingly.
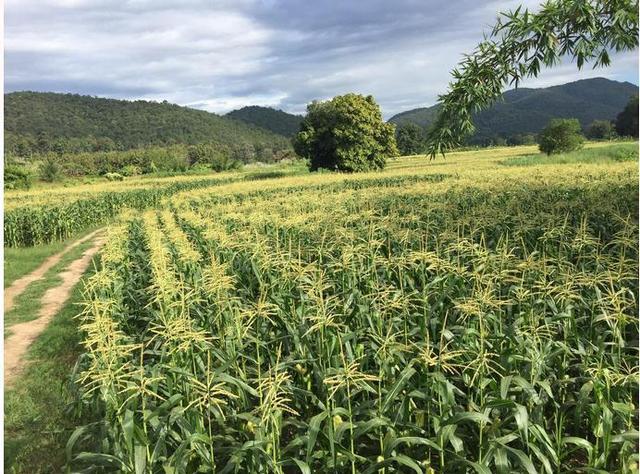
(23, 334)
(18, 286)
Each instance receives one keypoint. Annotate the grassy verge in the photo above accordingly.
(28, 303)
(18, 261)
(599, 154)
(38, 419)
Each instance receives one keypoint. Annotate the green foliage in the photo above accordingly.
(114, 177)
(90, 124)
(610, 154)
(49, 170)
(561, 135)
(410, 139)
(520, 44)
(346, 133)
(627, 120)
(521, 139)
(276, 121)
(16, 177)
(600, 130)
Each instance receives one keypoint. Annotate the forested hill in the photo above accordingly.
(529, 110)
(268, 118)
(44, 121)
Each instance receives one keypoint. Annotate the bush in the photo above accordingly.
(16, 177)
(49, 170)
(600, 130)
(130, 170)
(114, 177)
(346, 133)
(561, 135)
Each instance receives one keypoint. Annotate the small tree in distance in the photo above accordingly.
(560, 135)
(627, 120)
(410, 139)
(346, 133)
(600, 130)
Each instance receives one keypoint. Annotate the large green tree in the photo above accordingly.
(346, 133)
(520, 44)
(627, 120)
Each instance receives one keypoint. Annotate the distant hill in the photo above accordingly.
(44, 119)
(529, 110)
(268, 118)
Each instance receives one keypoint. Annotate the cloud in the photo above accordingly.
(219, 55)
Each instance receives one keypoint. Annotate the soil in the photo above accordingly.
(23, 334)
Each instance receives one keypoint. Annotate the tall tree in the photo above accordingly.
(627, 120)
(520, 44)
(410, 139)
(346, 133)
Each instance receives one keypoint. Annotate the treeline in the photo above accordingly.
(116, 165)
(411, 138)
(41, 123)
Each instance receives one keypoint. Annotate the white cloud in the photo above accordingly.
(222, 54)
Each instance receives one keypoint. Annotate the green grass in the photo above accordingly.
(19, 261)
(611, 154)
(38, 419)
(28, 303)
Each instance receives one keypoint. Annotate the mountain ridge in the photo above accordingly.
(527, 110)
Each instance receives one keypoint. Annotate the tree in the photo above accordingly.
(49, 170)
(627, 120)
(346, 133)
(520, 44)
(560, 135)
(410, 139)
(521, 139)
(600, 130)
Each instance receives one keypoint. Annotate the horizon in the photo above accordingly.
(160, 101)
(219, 56)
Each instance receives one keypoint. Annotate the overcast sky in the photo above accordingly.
(223, 54)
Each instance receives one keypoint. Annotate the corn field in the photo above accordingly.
(451, 318)
(35, 218)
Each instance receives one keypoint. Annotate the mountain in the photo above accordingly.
(525, 110)
(44, 120)
(268, 118)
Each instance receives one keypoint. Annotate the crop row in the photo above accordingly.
(380, 329)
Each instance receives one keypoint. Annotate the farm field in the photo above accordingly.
(471, 314)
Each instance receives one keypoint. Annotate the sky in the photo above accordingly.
(220, 55)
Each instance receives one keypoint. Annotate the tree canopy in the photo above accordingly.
(346, 133)
(627, 120)
(561, 135)
(519, 45)
(410, 139)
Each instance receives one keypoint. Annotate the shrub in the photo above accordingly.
(600, 130)
(130, 170)
(561, 135)
(114, 177)
(49, 170)
(16, 177)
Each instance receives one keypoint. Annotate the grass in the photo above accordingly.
(19, 261)
(612, 154)
(39, 414)
(28, 304)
